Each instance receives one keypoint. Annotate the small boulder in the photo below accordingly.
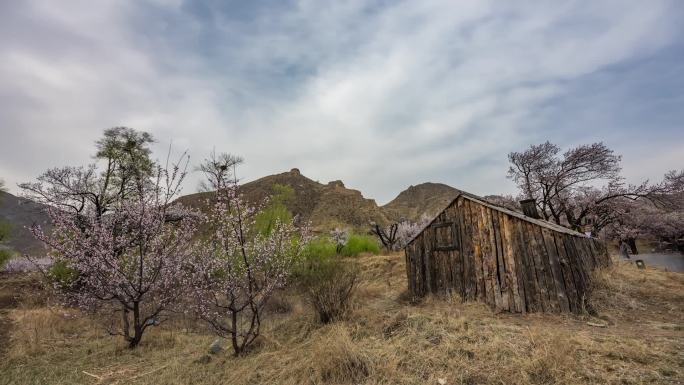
(205, 359)
(215, 346)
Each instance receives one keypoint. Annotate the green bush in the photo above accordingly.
(327, 281)
(329, 284)
(357, 244)
(5, 256)
(316, 250)
(319, 248)
(63, 275)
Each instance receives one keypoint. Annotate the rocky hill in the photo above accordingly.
(20, 213)
(333, 205)
(325, 205)
(423, 199)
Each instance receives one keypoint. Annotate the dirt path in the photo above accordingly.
(668, 261)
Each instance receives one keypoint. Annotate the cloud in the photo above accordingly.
(379, 94)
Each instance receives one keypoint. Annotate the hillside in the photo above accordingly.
(333, 205)
(325, 205)
(20, 213)
(425, 198)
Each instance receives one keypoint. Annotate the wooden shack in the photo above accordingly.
(506, 259)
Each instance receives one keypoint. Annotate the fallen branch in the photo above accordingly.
(92, 375)
(150, 372)
(598, 325)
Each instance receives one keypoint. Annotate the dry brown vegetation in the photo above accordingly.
(639, 338)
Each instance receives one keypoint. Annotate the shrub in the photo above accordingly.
(329, 284)
(357, 244)
(62, 275)
(5, 256)
(319, 248)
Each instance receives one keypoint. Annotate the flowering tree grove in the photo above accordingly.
(131, 258)
(564, 186)
(237, 268)
(634, 219)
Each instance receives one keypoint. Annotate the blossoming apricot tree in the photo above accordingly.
(127, 256)
(237, 268)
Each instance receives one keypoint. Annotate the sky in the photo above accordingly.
(378, 94)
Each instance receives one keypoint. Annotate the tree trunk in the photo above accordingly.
(137, 327)
(234, 333)
(632, 245)
(126, 325)
(679, 246)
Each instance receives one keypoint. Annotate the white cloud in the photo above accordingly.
(381, 96)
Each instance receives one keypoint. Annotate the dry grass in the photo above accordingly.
(385, 340)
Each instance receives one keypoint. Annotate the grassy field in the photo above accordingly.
(636, 337)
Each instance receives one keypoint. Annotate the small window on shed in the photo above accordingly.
(445, 236)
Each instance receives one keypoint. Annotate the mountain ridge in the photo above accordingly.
(426, 198)
(21, 213)
(324, 205)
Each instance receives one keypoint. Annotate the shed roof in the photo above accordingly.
(482, 201)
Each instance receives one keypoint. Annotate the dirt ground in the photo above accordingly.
(636, 336)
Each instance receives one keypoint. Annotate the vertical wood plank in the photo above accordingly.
(583, 264)
(520, 263)
(409, 254)
(577, 270)
(586, 249)
(556, 270)
(511, 263)
(568, 272)
(504, 280)
(454, 254)
(534, 291)
(468, 268)
(477, 251)
(538, 266)
(428, 240)
(489, 255)
(589, 242)
(462, 252)
(485, 250)
(548, 274)
(499, 276)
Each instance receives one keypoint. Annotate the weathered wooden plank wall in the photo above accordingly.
(484, 254)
